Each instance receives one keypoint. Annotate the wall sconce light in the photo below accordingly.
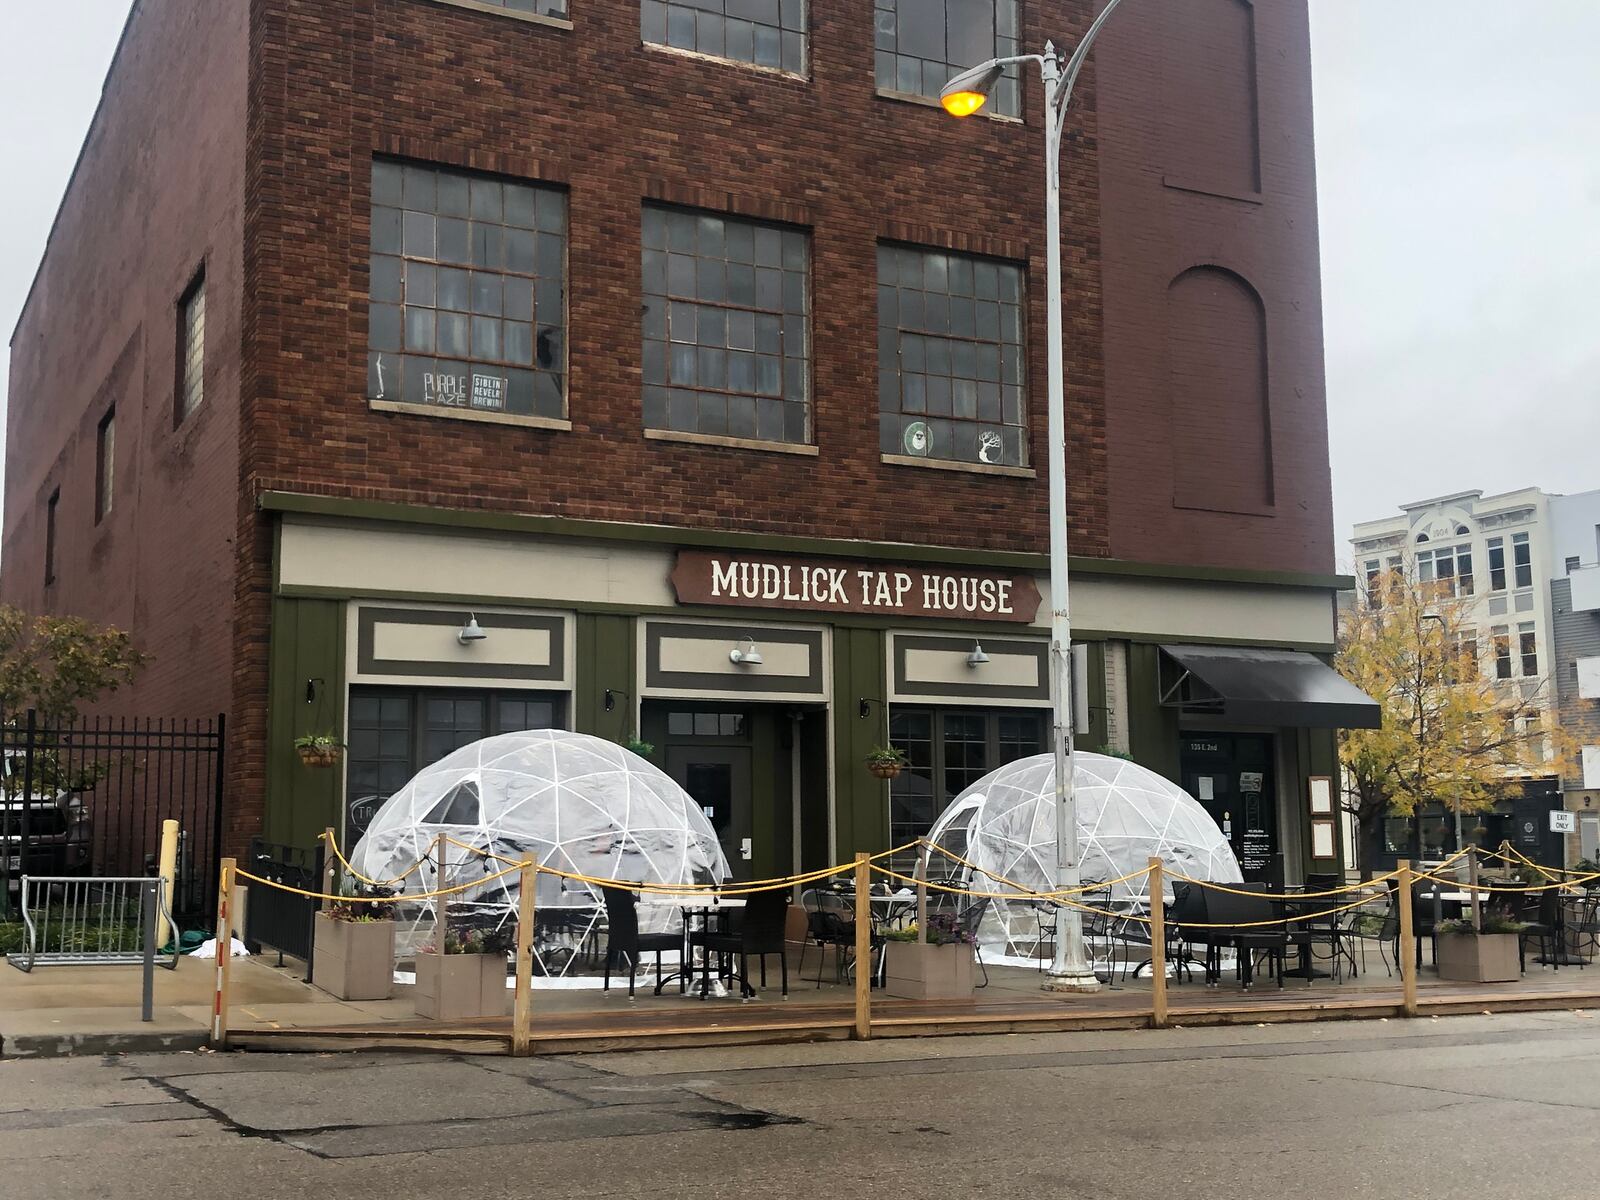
(977, 658)
(611, 698)
(311, 688)
(746, 658)
(864, 708)
(471, 631)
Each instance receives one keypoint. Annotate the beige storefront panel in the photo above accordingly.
(432, 644)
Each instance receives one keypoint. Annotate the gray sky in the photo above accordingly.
(1459, 160)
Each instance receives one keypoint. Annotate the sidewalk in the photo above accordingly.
(95, 1010)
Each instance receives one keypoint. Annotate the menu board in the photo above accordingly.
(1255, 852)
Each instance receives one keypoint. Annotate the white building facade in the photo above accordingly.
(1497, 554)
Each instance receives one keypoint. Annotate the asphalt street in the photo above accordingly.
(1482, 1107)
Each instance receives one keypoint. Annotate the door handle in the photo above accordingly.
(744, 849)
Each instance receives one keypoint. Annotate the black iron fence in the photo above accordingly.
(277, 919)
(89, 798)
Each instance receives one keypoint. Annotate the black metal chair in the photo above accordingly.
(826, 926)
(1185, 921)
(1360, 926)
(624, 941)
(1423, 924)
(760, 932)
(967, 922)
(1541, 922)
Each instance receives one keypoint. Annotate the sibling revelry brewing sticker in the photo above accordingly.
(828, 585)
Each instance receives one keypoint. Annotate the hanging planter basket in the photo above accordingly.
(885, 770)
(319, 755)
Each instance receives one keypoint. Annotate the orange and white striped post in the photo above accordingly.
(219, 1001)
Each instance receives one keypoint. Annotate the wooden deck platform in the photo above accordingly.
(585, 1022)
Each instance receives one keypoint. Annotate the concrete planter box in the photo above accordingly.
(1479, 958)
(354, 959)
(921, 972)
(461, 987)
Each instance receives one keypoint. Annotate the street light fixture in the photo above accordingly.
(964, 95)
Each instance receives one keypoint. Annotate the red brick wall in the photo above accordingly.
(158, 190)
(1182, 143)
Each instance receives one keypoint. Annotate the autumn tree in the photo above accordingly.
(1452, 733)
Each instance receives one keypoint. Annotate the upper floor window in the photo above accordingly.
(50, 536)
(468, 293)
(767, 33)
(950, 362)
(726, 338)
(537, 8)
(1500, 638)
(922, 44)
(1448, 568)
(1528, 649)
(1522, 559)
(1497, 564)
(192, 348)
(105, 461)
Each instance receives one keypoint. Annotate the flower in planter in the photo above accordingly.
(363, 904)
(943, 930)
(319, 749)
(886, 762)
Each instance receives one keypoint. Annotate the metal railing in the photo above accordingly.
(283, 920)
(77, 920)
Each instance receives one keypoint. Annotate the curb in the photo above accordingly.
(68, 1045)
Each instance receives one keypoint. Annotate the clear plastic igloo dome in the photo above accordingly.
(573, 802)
(1127, 814)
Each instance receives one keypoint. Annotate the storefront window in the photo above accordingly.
(396, 732)
(950, 750)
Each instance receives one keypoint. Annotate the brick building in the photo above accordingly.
(648, 334)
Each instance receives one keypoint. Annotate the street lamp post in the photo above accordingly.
(964, 95)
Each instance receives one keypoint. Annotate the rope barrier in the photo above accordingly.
(403, 897)
(1339, 891)
(327, 836)
(1569, 884)
(1090, 887)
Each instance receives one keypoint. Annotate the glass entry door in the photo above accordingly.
(1231, 776)
(719, 780)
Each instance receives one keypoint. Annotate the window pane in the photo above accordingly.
(766, 33)
(733, 323)
(921, 44)
(936, 362)
(514, 238)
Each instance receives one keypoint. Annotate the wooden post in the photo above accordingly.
(1408, 942)
(441, 904)
(219, 1002)
(522, 1012)
(1158, 947)
(922, 896)
(1472, 882)
(330, 865)
(863, 1029)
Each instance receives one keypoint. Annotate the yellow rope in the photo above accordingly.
(327, 836)
(404, 897)
(1089, 887)
(1569, 884)
(1339, 891)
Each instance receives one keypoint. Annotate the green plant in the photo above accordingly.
(1112, 752)
(640, 747)
(1493, 922)
(363, 904)
(1587, 866)
(886, 756)
(320, 742)
(943, 930)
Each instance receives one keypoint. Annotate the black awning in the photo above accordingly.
(1264, 687)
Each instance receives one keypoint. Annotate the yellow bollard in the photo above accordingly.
(1158, 948)
(522, 1010)
(863, 1029)
(167, 868)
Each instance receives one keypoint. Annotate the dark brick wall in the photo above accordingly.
(1177, 131)
(157, 191)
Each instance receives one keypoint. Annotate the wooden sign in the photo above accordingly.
(831, 585)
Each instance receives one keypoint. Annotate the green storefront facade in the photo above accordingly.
(641, 631)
